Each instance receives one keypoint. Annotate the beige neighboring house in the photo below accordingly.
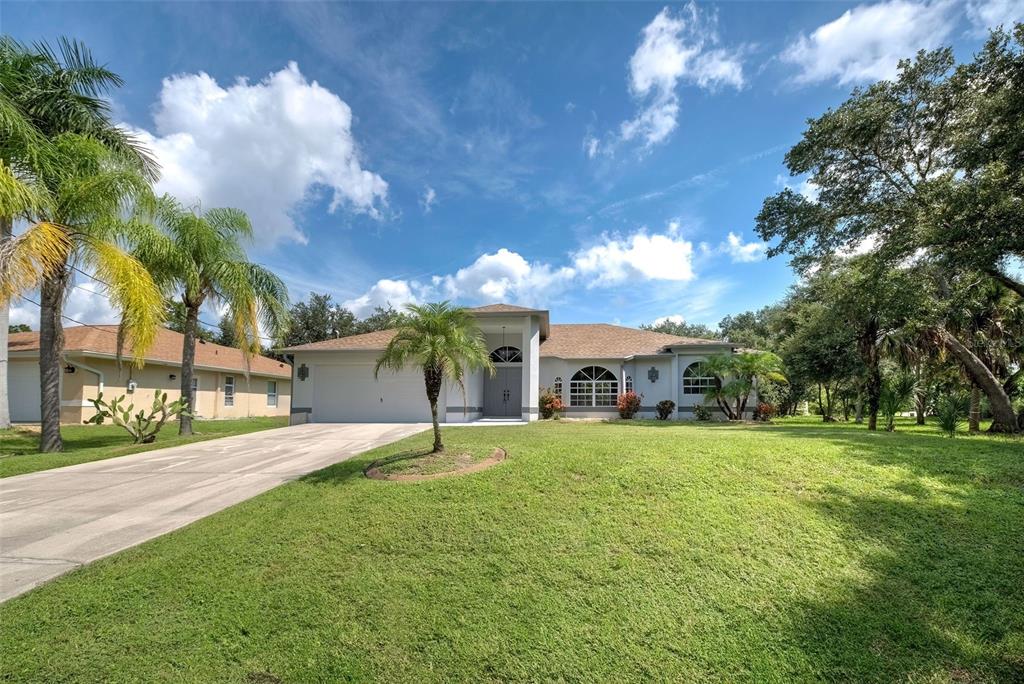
(90, 366)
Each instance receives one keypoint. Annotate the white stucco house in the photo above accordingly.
(587, 364)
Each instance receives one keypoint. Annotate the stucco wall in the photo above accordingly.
(78, 387)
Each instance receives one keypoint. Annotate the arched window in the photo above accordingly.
(593, 386)
(557, 387)
(696, 380)
(506, 355)
(629, 383)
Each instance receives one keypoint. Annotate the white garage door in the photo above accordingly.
(23, 390)
(350, 394)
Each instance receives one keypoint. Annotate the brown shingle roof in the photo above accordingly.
(504, 308)
(566, 341)
(371, 341)
(604, 341)
(102, 339)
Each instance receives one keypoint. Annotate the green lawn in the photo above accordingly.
(596, 552)
(19, 446)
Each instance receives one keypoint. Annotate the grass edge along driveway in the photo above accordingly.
(84, 443)
(595, 552)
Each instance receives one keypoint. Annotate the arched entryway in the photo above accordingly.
(503, 392)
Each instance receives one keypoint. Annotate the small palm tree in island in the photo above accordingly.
(445, 342)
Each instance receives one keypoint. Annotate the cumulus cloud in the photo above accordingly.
(504, 275)
(591, 146)
(743, 252)
(261, 147)
(640, 255)
(428, 200)
(674, 49)
(866, 42)
(384, 293)
(986, 14)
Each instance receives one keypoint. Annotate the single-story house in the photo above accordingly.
(222, 389)
(588, 365)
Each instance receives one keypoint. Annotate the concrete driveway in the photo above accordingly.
(53, 521)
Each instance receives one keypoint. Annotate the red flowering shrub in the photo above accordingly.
(550, 404)
(629, 404)
(665, 409)
(765, 411)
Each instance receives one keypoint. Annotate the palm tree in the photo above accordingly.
(200, 257)
(737, 375)
(45, 93)
(90, 191)
(442, 340)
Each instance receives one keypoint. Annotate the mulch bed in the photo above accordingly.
(374, 472)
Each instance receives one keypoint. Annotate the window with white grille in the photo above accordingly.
(593, 386)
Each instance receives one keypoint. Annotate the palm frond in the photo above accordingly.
(132, 291)
(37, 253)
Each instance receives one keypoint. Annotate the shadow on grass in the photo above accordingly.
(944, 594)
(357, 467)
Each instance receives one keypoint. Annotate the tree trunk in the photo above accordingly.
(974, 418)
(1007, 281)
(921, 396)
(5, 318)
(432, 378)
(188, 362)
(873, 385)
(858, 407)
(1003, 418)
(51, 348)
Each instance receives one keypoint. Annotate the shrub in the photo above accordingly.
(629, 404)
(550, 404)
(701, 412)
(765, 411)
(665, 408)
(142, 427)
(950, 412)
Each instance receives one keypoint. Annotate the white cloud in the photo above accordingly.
(648, 257)
(261, 147)
(987, 14)
(505, 276)
(866, 42)
(674, 49)
(428, 200)
(672, 318)
(805, 187)
(743, 252)
(591, 146)
(384, 293)
(87, 302)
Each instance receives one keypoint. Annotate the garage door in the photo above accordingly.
(23, 390)
(350, 394)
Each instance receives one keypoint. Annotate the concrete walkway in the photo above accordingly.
(55, 520)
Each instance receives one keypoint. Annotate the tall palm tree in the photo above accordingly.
(444, 341)
(45, 93)
(200, 257)
(90, 192)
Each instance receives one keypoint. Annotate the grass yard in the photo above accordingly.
(19, 446)
(595, 552)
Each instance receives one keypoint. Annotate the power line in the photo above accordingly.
(107, 285)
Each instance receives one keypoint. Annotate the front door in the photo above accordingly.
(503, 393)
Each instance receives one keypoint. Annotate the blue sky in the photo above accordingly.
(605, 161)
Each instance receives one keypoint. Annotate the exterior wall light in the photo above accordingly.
(69, 369)
(303, 372)
(653, 374)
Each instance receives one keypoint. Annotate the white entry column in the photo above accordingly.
(531, 368)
